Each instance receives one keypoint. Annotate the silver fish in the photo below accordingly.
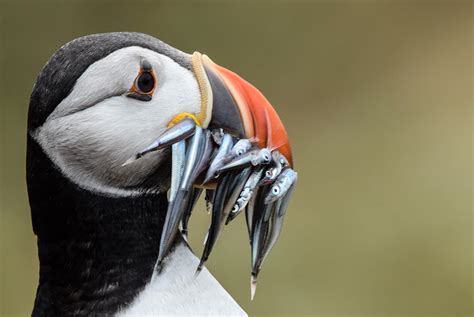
(278, 162)
(176, 207)
(180, 131)
(276, 223)
(246, 193)
(260, 236)
(285, 200)
(224, 148)
(216, 217)
(195, 192)
(250, 211)
(178, 156)
(241, 147)
(208, 149)
(269, 231)
(279, 188)
(264, 157)
(254, 158)
(228, 188)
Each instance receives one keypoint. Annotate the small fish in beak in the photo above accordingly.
(246, 193)
(282, 184)
(261, 230)
(226, 143)
(196, 156)
(254, 158)
(237, 149)
(278, 163)
(241, 147)
(225, 155)
(268, 228)
(178, 156)
(177, 132)
(227, 192)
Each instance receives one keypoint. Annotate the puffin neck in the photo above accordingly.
(96, 252)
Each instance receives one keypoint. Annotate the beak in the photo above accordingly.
(228, 103)
(237, 107)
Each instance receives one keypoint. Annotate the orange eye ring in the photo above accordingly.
(144, 84)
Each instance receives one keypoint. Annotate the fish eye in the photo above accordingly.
(145, 82)
(240, 152)
(268, 173)
(275, 190)
(266, 158)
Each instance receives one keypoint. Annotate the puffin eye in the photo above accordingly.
(145, 82)
(144, 85)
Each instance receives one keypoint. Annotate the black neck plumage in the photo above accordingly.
(96, 253)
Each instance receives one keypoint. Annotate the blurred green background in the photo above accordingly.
(377, 99)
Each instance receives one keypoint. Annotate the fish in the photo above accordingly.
(250, 211)
(241, 147)
(281, 185)
(228, 188)
(260, 233)
(278, 163)
(180, 131)
(246, 193)
(244, 177)
(178, 156)
(251, 158)
(225, 146)
(267, 231)
(177, 206)
(195, 193)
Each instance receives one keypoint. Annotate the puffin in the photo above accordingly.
(125, 133)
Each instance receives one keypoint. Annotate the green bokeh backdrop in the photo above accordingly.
(377, 99)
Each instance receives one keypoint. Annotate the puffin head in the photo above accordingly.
(102, 98)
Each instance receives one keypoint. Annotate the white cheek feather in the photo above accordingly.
(177, 292)
(97, 128)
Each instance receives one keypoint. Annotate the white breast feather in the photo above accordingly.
(176, 292)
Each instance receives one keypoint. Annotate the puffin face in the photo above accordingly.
(120, 102)
(117, 106)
